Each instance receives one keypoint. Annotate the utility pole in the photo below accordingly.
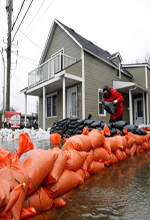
(8, 51)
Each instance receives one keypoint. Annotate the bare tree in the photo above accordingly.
(147, 58)
(37, 105)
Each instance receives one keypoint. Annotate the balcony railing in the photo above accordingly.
(48, 69)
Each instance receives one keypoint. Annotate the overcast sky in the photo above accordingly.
(118, 25)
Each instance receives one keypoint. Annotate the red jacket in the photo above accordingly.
(115, 95)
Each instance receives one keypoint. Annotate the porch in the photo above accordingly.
(138, 101)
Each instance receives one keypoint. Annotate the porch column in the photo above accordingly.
(64, 97)
(144, 107)
(147, 108)
(25, 109)
(44, 108)
(83, 85)
(130, 107)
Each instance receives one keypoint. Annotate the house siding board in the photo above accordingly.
(138, 75)
(61, 40)
(75, 69)
(97, 74)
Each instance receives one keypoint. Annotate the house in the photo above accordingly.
(71, 74)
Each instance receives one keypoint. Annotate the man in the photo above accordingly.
(112, 95)
(7, 122)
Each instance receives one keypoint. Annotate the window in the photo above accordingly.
(101, 110)
(57, 61)
(52, 105)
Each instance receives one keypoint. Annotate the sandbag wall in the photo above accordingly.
(72, 126)
(32, 186)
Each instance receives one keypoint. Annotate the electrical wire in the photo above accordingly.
(34, 16)
(18, 80)
(22, 100)
(22, 20)
(26, 59)
(18, 15)
(38, 20)
(31, 41)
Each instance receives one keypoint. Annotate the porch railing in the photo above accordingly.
(48, 69)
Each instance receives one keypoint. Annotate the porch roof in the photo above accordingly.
(124, 87)
(53, 84)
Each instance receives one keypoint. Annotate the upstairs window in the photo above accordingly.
(101, 110)
(52, 105)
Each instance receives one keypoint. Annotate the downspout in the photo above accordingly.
(130, 104)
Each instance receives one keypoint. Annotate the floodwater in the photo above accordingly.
(120, 192)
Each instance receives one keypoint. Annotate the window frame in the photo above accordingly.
(47, 96)
(103, 115)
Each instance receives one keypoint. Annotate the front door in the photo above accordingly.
(72, 102)
(138, 111)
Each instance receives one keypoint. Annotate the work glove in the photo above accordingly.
(115, 102)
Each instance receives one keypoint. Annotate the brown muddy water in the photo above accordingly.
(120, 192)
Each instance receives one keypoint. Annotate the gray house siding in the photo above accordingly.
(62, 40)
(138, 75)
(97, 74)
(75, 69)
(148, 78)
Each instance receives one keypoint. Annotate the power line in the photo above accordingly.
(38, 20)
(23, 19)
(22, 100)
(25, 58)
(34, 17)
(18, 15)
(31, 40)
(18, 80)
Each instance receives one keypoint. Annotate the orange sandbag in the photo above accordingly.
(20, 176)
(5, 158)
(139, 149)
(106, 130)
(128, 152)
(133, 149)
(121, 155)
(79, 142)
(113, 160)
(25, 144)
(7, 183)
(95, 167)
(67, 181)
(38, 165)
(57, 169)
(88, 160)
(58, 202)
(76, 160)
(101, 155)
(138, 139)
(26, 213)
(41, 200)
(97, 138)
(84, 175)
(55, 138)
(145, 145)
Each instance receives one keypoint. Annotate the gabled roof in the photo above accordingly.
(85, 44)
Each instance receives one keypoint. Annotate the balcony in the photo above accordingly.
(49, 69)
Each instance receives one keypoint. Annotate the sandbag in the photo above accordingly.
(67, 181)
(113, 160)
(119, 124)
(84, 175)
(101, 155)
(38, 165)
(26, 213)
(88, 160)
(95, 167)
(133, 149)
(41, 200)
(57, 169)
(5, 158)
(78, 142)
(109, 107)
(58, 202)
(96, 124)
(97, 138)
(76, 160)
(130, 128)
(121, 155)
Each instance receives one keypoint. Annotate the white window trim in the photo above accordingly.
(51, 94)
(103, 115)
(119, 68)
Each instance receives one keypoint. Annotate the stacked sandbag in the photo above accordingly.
(35, 184)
